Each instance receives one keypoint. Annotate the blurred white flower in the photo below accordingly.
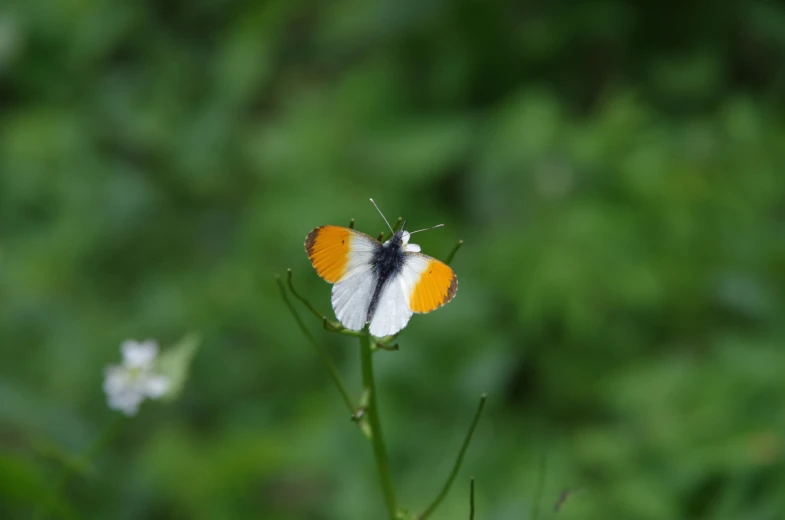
(129, 384)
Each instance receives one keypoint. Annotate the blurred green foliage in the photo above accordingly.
(616, 169)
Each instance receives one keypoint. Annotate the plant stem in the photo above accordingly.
(308, 304)
(328, 325)
(458, 461)
(452, 253)
(326, 361)
(471, 500)
(377, 438)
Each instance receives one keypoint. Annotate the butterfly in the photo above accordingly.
(381, 284)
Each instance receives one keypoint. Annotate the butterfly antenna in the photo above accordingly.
(382, 214)
(426, 229)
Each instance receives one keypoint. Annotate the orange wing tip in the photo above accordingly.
(437, 285)
(452, 290)
(310, 240)
(328, 249)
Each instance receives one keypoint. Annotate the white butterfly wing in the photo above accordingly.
(393, 312)
(423, 285)
(342, 256)
(351, 298)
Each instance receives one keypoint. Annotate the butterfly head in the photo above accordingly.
(400, 240)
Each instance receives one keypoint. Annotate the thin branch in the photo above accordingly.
(380, 237)
(458, 461)
(377, 438)
(336, 327)
(329, 325)
(387, 339)
(326, 360)
(452, 253)
(471, 499)
(308, 304)
(384, 346)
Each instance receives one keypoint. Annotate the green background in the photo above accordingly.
(616, 169)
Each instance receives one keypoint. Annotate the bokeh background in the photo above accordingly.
(616, 169)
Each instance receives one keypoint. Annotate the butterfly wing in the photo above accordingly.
(392, 312)
(342, 256)
(423, 285)
(430, 283)
(351, 299)
(339, 252)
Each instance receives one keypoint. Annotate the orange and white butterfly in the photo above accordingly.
(378, 284)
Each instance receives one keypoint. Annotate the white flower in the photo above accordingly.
(129, 384)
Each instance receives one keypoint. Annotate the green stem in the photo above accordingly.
(329, 325)
(308, 304)
(471, 500)
(385, 346)
(326, 361)
(377, 438)
(428, 512)
(332, 326)
(452, 253)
